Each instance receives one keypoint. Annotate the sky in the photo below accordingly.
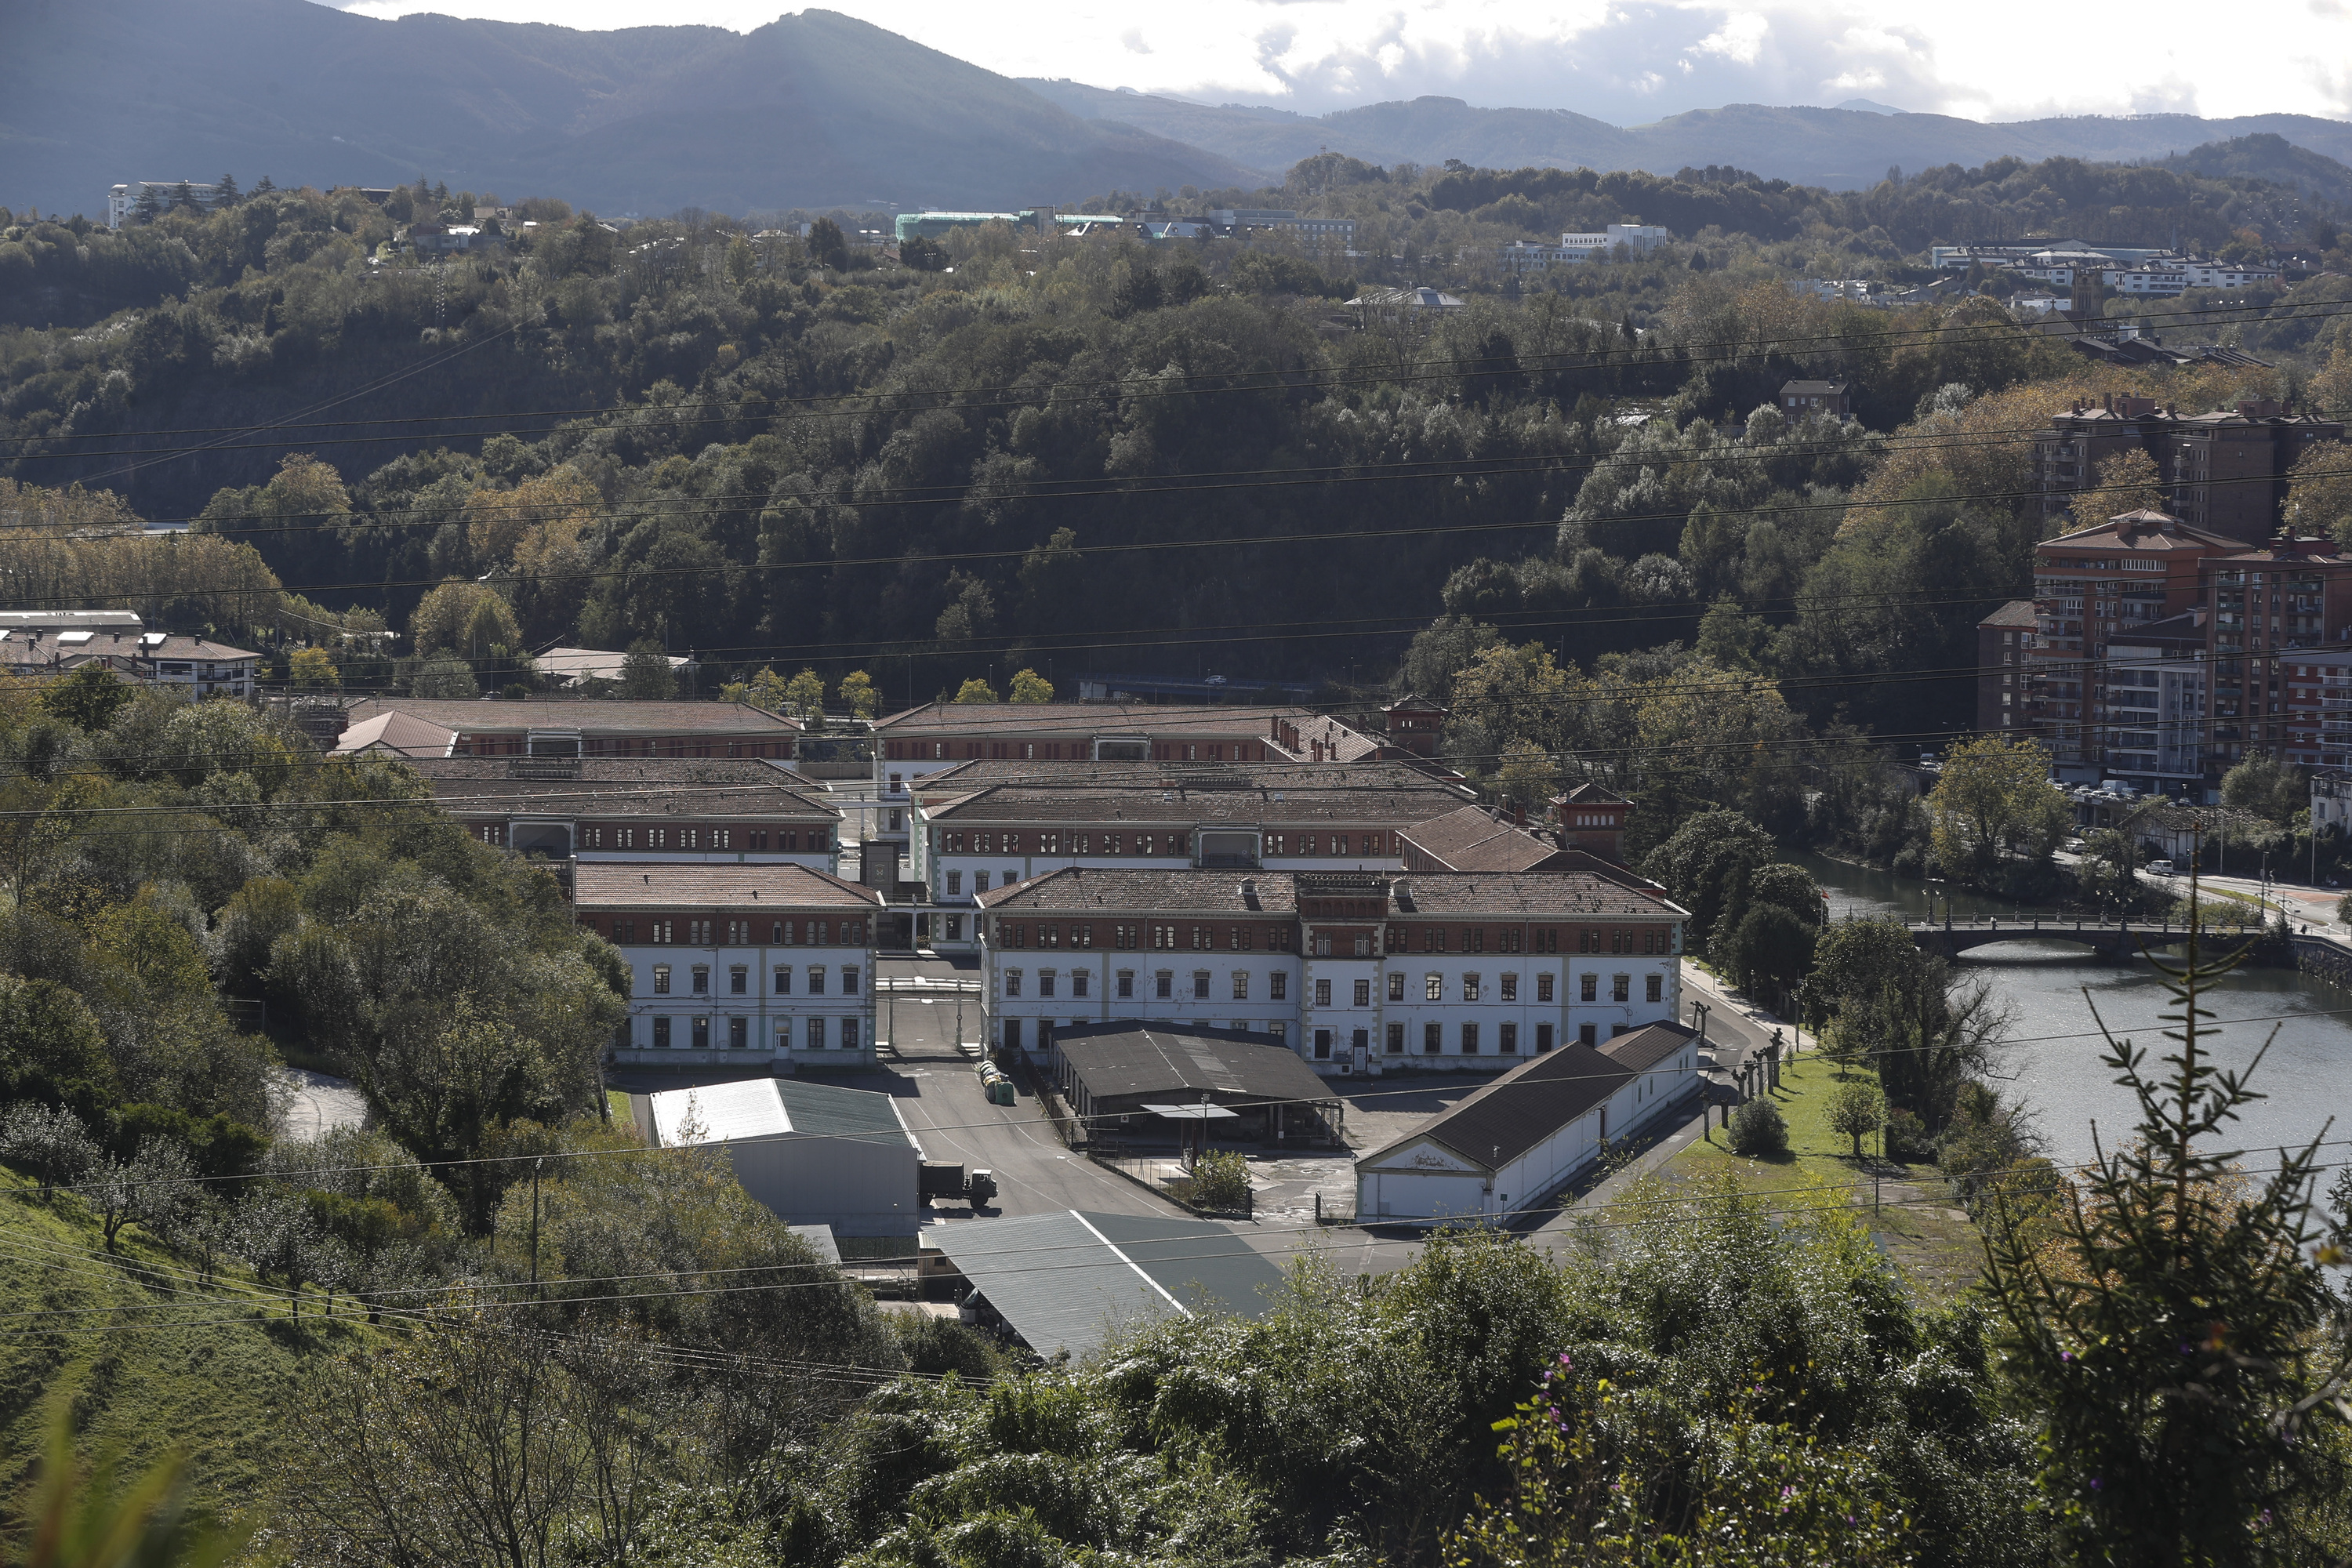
(1625, 61)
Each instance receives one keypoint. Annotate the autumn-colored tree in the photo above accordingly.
(1028, 686)
(2127, 481)
(2319, 491)
(314, 667)
(858, 692)
(805, 694)
(1995, 798)
(975, 690)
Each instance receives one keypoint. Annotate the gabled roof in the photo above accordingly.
(2016, 613)
(1519, 1110)
(1644, 1048)
(1129, 1057)
(599, 716)
(1475, 838)
(1813, 388)
(395, 731)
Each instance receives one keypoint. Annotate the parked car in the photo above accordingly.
(2074, 846)
(2162, 868)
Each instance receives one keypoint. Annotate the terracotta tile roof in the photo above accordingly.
(1544, 895)
(596, 716)
(1474, 838)
(2016, 613)
(1381, 793)
(623, 773)
(682, 884)
(402, 732)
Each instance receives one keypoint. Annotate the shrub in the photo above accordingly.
(49, 1141)
(1907, 1137)
(1758, 1130)
(1219, 1181)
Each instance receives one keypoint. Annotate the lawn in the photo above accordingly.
(211, 1370)
(1907, 1207)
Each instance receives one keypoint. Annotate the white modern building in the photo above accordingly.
(123, 200)
(1357, 971)
(767, 964)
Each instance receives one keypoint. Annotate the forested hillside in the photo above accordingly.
(1082, 453)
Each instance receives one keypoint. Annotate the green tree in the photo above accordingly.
(2168, 1342)
(1995, 799)
(313, 668)
(1528, 776)
(469, 619)
(1706, 867)
(88, 698)
(1030, 687)
(2267, 788)
(827, 246)
(1857, 1109)
(975, 690)
(646, 675)
(805, 694)
(858, 692)
(445, 675)
(1770, 951)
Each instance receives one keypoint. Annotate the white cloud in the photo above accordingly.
(1615, 60)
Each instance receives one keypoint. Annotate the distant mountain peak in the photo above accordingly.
(1865, 106)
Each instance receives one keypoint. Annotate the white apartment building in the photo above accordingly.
(1355, 971)
(1526, 256)
(767, 964)
(123, 200)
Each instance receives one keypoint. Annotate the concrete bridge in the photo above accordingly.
(2108, 939)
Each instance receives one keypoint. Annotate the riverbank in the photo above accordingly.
(1908, 1209)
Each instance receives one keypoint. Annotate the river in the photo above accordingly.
(2052, 1063)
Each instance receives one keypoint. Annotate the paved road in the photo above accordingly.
(941, 1101)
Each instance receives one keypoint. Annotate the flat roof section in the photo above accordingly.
(720, 1114)
(678, 884)
(1069, 1281)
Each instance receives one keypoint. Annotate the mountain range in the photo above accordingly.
(818, 109)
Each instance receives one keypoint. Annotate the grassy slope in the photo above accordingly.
(213, 1374)
(1930, 1238)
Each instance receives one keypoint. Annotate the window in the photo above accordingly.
(1200, 985)
(739, 1033)
(850, 1034)
(1469, 1039)
(702, 1033)
(1044, 983)
(1432, 988)
(1432, 939)
(1585, 1034)
(1322, 994)
(783, 980)
(1620, 987)
(783, 1034)
(661, 979)
(1469, 988)
(955, 928)
(739, 981)
(1589, 988)
(1126, 984)
(1078, 978)
(1543, 987)
(661, 1034)
(1474, 938)
(1164, 986)
(1322, 947)
(1012, 983)
(624, 931)
(1280, 1030)
(1396, 1039)
(1543, 1038)
(1278, 987)
(1237, 939)
(1049, 936)
(664, 932)
(1322, 1043)
(788, 932)
(1396, 986)
(1363, 992)
(849, 979)
(816, 1033)
(955, 884)
(1432, 1040)
(1510, 987)
(1653, 989)
(1203, 938)
(1507, 1039)
(702, 979)
(1241, 985)
(1363, 947)
(1082, 936)
(979, 881)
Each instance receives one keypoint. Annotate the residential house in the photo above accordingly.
(1803, 399)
